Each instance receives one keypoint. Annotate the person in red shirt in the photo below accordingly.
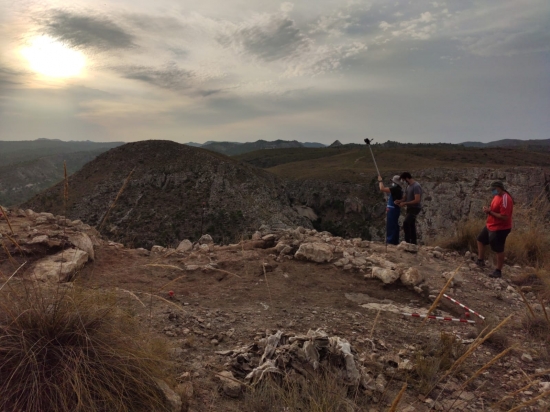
(498, 227)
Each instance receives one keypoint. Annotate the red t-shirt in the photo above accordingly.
(504, 205)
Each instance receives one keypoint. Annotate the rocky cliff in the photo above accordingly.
(344, 209)
(450, 195)
(174, 192)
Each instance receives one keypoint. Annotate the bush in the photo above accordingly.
(75, 351)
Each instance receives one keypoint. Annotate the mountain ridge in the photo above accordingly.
(175, 192)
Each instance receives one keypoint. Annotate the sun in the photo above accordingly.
(52, 58)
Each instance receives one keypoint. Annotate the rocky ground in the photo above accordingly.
(221, 308)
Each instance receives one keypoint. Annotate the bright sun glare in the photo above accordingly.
(52, 58)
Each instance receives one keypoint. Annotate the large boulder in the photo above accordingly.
(230, 386)
(306, 211)
(411, 277)
(206, 240)
(385, 275)
(172, 398)
(316, 252)
(83, 242)
(60, 267)
(185, 246)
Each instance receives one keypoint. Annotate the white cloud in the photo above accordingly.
(323, 59)
(287, 7)
(384, 25)
(420, 28)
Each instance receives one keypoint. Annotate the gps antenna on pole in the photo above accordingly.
(368, 141)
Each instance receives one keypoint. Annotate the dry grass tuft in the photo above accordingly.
(529, 241)
(4, 214)
(441, 293)
(75, 351)
(395, 403)
(498, 338)
(483, 337)
(319, 393)
(434, 358)
(487, 365)
(530, 402)
(116, 199)
(536, 326)
(465, 238)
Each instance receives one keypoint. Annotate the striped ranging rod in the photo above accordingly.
(464, 306)
(443, 318)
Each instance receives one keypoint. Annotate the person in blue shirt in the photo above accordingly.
(393, 211)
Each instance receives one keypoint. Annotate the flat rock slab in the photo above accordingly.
(60, 267)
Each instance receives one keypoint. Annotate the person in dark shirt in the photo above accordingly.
(393, 211)
(413, 200)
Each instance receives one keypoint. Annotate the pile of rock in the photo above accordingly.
(67, 245)
(308, 245)
(289, 355)
(346, 254)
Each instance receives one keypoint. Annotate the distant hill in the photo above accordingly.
(353, 162)
(533, 144)
(232, 149)
(28, 167)
(14, 152)
(270, 158)
(194, 144)
(237, 148)
(313, 144)
(175, 192)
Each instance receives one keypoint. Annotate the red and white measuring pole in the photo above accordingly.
(464, 306)
(442, 318)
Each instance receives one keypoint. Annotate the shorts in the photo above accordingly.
(495, 238)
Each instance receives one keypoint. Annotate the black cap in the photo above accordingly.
(496, 183)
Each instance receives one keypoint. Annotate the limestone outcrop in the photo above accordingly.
(57, 246)
(60, 267)
(452, 195)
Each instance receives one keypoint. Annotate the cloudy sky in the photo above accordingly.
(242, 70)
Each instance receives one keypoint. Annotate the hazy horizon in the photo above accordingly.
(253, 141)
(311, 71)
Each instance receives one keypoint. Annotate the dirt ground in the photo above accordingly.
(223, 299)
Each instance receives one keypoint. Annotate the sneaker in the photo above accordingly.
(480, 263)
(496, 274)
